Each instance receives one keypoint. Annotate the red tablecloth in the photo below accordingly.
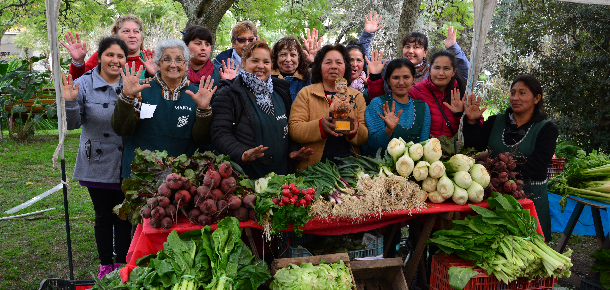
(148, 240)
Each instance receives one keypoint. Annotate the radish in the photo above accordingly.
(173, 181)
(228, 185)
(164, 190)
(249, 201)
(225, 170)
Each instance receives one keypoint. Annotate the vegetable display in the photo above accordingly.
(307, 276)
(196, 260)
(503, 241)
(602, 265)
(502, 178)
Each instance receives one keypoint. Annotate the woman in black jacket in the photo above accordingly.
(250, 117)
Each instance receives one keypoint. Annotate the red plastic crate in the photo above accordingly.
(439, 279)
(556, 167)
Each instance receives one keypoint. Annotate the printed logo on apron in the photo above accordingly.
(183, 120)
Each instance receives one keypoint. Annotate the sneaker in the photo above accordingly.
(105, 269)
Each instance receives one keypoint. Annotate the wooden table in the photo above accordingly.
(597, 222)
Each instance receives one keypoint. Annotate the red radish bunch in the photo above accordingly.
(291, 195)
(503, 178)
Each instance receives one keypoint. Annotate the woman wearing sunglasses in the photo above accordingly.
(242, 34)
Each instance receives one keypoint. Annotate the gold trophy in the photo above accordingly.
(340, 107)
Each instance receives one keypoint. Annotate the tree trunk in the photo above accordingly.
(406, 24)
(206, 13)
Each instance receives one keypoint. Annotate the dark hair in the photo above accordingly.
(249, 50)
(396, 64)
(107, 42)
(456, 76)
(316, 70)
(535, 87)
(353, 44)
(197, 32)
(290, 43)
(416, 37)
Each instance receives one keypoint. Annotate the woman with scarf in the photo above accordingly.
(199, 41)
(250, 117)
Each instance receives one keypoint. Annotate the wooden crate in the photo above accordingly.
(379, 274)
(315, 260)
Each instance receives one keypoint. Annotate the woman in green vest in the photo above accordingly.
(523, 129)
(166, 114)
(396, 114)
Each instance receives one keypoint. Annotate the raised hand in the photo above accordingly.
(371, 23)
(376, 64)
(149, 61)
(228, 71)
(131, 80)
(70, 91)
(311, 44)
(252, 154)
(77, 49)
(457, 104)
(205, 92)
(355, 130)
(389, 116)
(473, 110)
(301, 154)
(451, 37)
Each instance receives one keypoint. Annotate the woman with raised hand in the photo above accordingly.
(129, 29)
(250, 122)
(199, 41)
(90, 101)
(396, 114)
(310, 124)
(166, 114)
(290, 63)
(524, 129)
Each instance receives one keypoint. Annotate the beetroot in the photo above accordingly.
(507, 187)
(249, 201)
(166, 223)
(193, 190)
(197, 199)
(152, 202)
(173, 181)
(217, 194)
(208, 207)
(155, 223)
(157, 213)
(183, 196)
(204, 220)
(212, 179)
(163, 201)
(204, 191)
(222, 205)
(234, 202)
(252, 214)
(171, 211)
(164, 190)
(186, 183)
(194, 214)
(225, 170)
(241, 214)
(145, 212)
(228, 185)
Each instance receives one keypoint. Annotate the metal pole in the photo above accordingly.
(67, 218)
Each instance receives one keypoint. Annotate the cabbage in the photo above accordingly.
(475, 192)
(479, 174)
(420, 172)
(429, 184)
(445, 187)
(305, 276)
(436, 197)
(462, 179)
(405, 165)
(458, 162)
(261, 184)
(436, 170)
(432, 150)
(416, 151)
(460, 196)
(396, 148)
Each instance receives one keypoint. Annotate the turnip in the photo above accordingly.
(234, 202)
(163, 201)
(164, 190)
(204, 220)
(222, 206)
(208, 207)
(157, 213)
(204, 191)
(166, 223)
(228, 185)
(217, 194)
(241, 214)
(152, 202)
(249, 201)
(173, 181)
(252, 214)
(225, 170)
(145, 212)
(212, 179)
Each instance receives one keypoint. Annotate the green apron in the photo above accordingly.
(272, 132)
(523, 149)
(413, 133)
(169, 129)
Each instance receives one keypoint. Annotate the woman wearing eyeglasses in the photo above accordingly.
(242, 34)
(166, 114)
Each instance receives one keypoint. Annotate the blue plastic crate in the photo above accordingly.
(375, 248)
(591, 283)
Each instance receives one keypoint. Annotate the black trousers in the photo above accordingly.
(108, 226)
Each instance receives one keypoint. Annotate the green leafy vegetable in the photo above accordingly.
(334, 276)
(459, 277)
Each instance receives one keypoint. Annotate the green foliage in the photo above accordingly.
(440, 14)
(567, 150)
(602, 261)
(459, 277)
(563, 45)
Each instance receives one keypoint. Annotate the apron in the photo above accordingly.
(523, 150)
(413, 133)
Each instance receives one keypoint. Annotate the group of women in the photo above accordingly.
(268, 108)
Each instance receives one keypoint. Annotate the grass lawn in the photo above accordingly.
(33, 248)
